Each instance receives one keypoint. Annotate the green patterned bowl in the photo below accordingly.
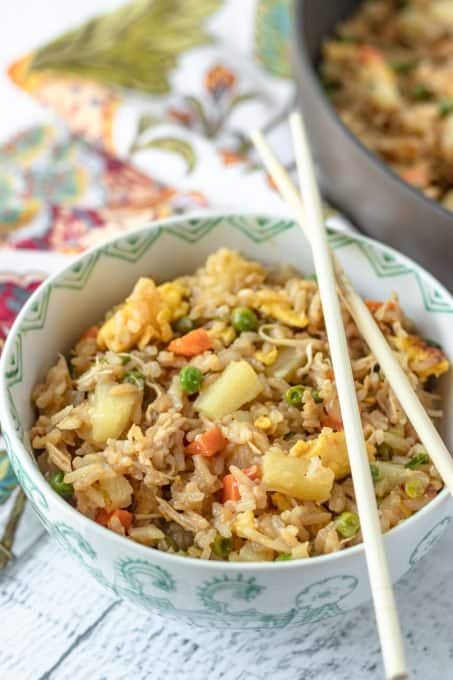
(212, 594)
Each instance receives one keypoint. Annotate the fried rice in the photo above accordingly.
(201, 418)
(389, 73)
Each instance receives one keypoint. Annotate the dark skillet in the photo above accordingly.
(353, 179)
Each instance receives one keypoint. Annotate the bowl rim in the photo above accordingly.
(25, 456)
(302, 57)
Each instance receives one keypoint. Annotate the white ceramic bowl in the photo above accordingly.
(212, 594)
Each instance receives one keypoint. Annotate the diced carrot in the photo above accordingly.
(207, 444)
(230, 489)
(125, 517)
(192, 343)
(373, 305)
(90, 332)
(417, 175)
(252, 472)
(329, 421)
(102, 517)
(368, 54)
(230, 485)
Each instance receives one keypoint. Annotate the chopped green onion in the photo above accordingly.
(183, 325)
(125, 358)
(316, 397)
(284, 557)
(136, 378)
(190, 379)
(414, 488)
(432, 343)
(294, 396)
(445, 107)
(421, 93)
(58, 484)
(72, 369)
(244, 319)
(384, 451)
(347, 524)
(417, 460)
(222, 546)
(401, 66)
(375, 472)
(171, 542)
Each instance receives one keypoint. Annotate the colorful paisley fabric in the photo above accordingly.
(155, 101)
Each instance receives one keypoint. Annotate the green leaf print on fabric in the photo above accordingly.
(135, 46)
(174, 145)
(272, 36)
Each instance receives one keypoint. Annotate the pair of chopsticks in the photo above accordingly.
(330, 275)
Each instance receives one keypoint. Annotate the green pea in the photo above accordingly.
(183, 325)
(417, 460)
(284, 557)
(414, 488)
(58, 484)
(375, 472)
(190, 379)
(136, 378)
(347, 524)
(432, 343)
(222, 546)
(384, 451)
(445, 107)
(244, 319)
(294, 396)
(316, 397)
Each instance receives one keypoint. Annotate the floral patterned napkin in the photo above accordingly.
(155, 101)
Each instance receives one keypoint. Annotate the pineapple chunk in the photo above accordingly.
(306, 479)
(237, 385)
(330, 447)
(111, 413)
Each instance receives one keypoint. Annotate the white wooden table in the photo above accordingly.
(57, 624)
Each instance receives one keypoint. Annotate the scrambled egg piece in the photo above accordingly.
(223, 331)
(330, 447)
(278, 305)
(267, 358)
(424, 359)
(229, 271)
(173, 294)
(281, 501)
(143, 317)
(263, 423)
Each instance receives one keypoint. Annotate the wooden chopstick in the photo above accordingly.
(311, 217)
(366, 323)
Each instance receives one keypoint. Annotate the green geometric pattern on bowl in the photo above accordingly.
(230, 600)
